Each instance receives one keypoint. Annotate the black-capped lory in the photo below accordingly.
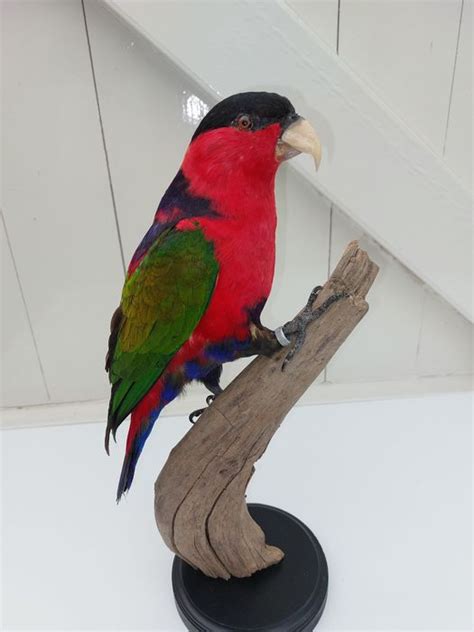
(199, 279)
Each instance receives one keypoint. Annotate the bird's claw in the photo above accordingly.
(296, 328)
(197, 413)
(312, 297)
(299, 338)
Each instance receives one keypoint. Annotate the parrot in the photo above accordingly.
(199, 279)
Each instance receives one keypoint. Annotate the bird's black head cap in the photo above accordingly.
(261, 108)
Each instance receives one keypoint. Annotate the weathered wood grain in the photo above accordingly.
(200, 503)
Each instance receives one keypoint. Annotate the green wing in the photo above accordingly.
(162, 302)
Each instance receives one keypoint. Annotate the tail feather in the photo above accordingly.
(126, 476)
(137, 435)
(143, 419)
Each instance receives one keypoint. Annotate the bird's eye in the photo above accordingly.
(244, 122)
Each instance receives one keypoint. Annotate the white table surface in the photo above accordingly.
(386, 486)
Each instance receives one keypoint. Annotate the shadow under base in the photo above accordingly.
(287, 597)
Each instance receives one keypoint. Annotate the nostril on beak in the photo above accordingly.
(290, 119)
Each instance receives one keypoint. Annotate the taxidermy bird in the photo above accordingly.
(199, 279)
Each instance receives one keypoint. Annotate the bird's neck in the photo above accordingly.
(235, 171)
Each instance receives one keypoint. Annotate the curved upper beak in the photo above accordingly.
(299, 138)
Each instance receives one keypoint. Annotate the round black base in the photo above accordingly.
(288, 597)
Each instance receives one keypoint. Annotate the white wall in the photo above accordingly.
(64, 225)
(56, 200)
(416, 55)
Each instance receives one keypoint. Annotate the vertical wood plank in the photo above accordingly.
(21, 381)
(406, 51)
(445, 345)
(384, 346)
(56, 195)
(459, 139)
(149, 112)
(410, 331)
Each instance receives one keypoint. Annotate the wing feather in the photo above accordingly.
(162, 302)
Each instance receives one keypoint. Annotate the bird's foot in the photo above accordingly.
(295, 330)
(197, 413)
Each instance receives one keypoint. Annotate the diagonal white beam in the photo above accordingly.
(374, 167)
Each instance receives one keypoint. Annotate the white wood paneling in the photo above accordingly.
(147, 113)
(459, 140)
(374, 167)
(384, 345)
(445, 345)
(320, 16)
(409, 331)
(21, 381)
(56, 197)
(406, 51)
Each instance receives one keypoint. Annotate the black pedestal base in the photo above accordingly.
(288, 597)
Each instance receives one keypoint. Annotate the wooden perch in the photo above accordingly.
(200, 503)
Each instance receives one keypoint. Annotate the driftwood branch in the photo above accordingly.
(200, 503)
